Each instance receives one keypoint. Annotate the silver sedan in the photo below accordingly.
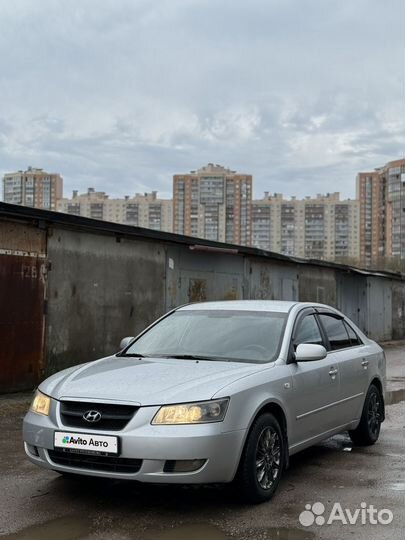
(212, 392)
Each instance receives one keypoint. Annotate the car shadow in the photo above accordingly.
(127, 495)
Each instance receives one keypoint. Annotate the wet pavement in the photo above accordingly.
(41, 505)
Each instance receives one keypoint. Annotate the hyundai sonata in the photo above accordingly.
(213, 392)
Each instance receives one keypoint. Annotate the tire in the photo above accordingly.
(368, 430)
(265, 443)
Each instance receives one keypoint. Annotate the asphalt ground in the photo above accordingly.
(42, 505)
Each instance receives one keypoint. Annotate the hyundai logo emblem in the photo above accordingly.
(92, 416)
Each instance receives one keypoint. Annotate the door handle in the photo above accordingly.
(333, 372)
(364, 363)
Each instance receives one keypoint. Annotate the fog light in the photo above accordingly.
(183, 465)
(33, 450)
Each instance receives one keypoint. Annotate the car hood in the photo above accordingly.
(146, 381)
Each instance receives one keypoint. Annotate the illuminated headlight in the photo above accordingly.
(41, 404)
(192, 413)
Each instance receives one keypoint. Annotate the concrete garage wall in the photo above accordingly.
(99, 290)
(90, 283)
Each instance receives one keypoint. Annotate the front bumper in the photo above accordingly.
(152, 444)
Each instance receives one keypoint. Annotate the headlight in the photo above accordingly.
(41, 404)
(192, 413)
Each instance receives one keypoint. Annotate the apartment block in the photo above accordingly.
(323, 227)
(33, 187)
(393, 177)
(213, 203)
(371, 193)
(381, 195)
(142, 210)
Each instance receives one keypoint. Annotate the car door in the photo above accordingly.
(347, 351)
(315, 383)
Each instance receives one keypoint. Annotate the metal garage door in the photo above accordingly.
(21, 321)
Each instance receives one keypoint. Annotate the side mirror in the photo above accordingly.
(308, 352)
(125, 342)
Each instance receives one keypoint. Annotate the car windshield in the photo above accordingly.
(244, 336)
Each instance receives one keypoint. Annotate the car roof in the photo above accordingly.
(279, 306)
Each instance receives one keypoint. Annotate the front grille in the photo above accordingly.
(113, 417)
(95, 462)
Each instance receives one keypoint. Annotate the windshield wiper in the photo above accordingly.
(189, 357)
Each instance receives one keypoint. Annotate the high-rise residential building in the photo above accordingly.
(371, 193)
(393, 177)
(323, 227)
(213, 203)
(381, 195)
(33, 187)
(142, 210)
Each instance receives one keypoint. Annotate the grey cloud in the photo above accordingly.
(122, 94)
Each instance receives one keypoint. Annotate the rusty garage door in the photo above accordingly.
(22, 299)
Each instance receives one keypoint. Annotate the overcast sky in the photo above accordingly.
(122, 94)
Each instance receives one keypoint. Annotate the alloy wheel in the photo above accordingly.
(268, 457)
(373, 413)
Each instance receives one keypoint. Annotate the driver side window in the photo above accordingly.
(307, 332)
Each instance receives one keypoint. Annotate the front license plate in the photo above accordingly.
(86, 442)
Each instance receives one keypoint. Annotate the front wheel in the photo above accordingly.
(261, 465)
(368, 430)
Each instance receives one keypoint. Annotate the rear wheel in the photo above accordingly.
(368, 430)
(262, 460)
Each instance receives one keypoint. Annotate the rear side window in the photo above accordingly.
(354, 338)
(308, 332)
(336, 332)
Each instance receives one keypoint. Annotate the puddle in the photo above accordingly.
(206, 531)
(194, 531)
(284, 533)
(65, 528)
(397, 486)
(395, 396)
